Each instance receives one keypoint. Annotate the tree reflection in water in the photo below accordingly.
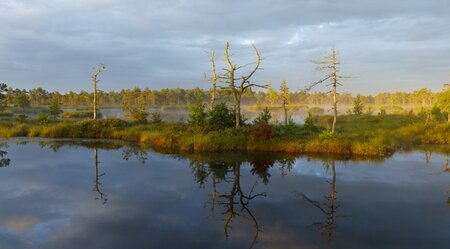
(139, 153)
(101, 196)
(227, 172)
(129, 151)
(327, 208)
(229, 202)
(4, 161)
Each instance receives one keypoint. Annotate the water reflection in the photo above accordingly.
(236, 196)
(236, 201)
(327, 208)
(138, 152)
(101, 196)
(4, 161)
(128, 151)
(217, 200)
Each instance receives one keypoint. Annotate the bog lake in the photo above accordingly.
(108, 194)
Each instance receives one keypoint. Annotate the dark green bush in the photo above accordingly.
(197, 114)
(42, 118)
(309, 123)
(221, 117)
(264, 116)
(20, 118)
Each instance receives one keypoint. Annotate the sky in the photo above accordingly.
(384, 45)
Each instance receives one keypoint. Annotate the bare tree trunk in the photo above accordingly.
(334, 109)
(213, 98)
(334, 92)
(94, 83)
(95, 98)
(285, 113)
(213, 81)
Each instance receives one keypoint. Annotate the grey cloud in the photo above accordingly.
(387, 45)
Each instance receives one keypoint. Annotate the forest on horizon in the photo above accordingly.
(181, 97)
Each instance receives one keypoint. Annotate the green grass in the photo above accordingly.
(356, 135)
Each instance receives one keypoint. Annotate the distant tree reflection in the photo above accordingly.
(327, 208)
(139, 153)
(286, 165)
(4, 161)
(101, 196)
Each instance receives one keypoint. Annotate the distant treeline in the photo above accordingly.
(170, 97)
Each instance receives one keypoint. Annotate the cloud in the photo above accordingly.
(155, 44)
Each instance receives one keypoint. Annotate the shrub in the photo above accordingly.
(309, 123)
(55, 109)
(156, 118)
(358, 106)
(42, 118)
(221, 117)
(288, 130)
(326, 134)
(264, 116)
(21, 118)
(262, 131)
(436, 113)
(197, 114)
(80, 114)
(136, 111)
(369, 110)
(106, 123)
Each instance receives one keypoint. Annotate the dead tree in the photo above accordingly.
(238, 85)
(331, 64)
(95, 80)
(213, 79)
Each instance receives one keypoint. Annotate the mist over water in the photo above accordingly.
(182, 115)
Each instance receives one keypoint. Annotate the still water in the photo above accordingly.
(103, 194)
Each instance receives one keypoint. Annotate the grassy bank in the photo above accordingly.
(356, 135)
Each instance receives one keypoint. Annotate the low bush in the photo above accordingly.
(20, 118)
(262, 131)
(197, 115)
(221, 117)
(264, 116)
(42, 118)
(156, 118)
(80, 114)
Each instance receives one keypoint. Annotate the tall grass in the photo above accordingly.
(364, 135)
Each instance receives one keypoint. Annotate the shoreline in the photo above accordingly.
(354, 136)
